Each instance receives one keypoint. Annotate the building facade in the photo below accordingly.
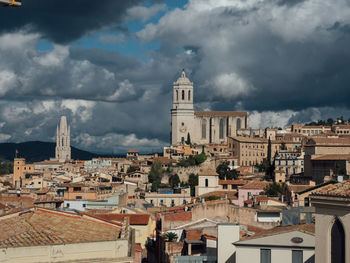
(202, 127)
(63, 150)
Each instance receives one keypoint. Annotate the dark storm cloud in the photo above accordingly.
(64, 21)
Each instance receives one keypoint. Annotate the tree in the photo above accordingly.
(330, 121)
(275, 189)
(192, 160)
(200, 158)
(174, 180)
(225, 172)
(188, 141)
(6, 168)
(132, 169)
(192, 182)
(269, 172)
(170, 236)
(155, 175)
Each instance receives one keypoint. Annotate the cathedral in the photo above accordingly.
(63, 151)
(203, 127)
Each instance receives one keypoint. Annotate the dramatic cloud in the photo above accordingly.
(283, 61)
(62, 21)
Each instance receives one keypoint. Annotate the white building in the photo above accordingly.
(202, 126)
(63, 150)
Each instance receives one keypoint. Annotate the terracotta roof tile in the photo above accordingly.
(337, 190)
(255, 185)
(229, 194)
(181, 216)
(135, 219)
(194, 234)
(48, 227)
(306, 228)
(235, 182)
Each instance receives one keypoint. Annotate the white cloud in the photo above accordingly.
(144, 13)
(53, 58)
(231, 85)
(270, 118)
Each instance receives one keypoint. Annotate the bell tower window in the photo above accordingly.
(189, 95)
(183, 95)
(177, 95)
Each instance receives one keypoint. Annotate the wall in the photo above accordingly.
(68, 252)
(278, 255)
(227, 235)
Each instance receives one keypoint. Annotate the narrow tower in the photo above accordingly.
(63, 151)
(182, 113)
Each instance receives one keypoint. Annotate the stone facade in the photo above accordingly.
(203, 126)
(63, 150)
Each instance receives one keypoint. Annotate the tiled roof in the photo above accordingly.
(207, 172)
(132, 151)
(230, 194)
(235, 182)
(249, 139)
(337, 190)
(306, 228)
(255, 185)
(328, 141)
(221, 113)
(135, 219)
(181, 216)
(332, 157)
(194, 234)
(49, 227)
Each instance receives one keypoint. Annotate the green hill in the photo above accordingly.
(38, 151)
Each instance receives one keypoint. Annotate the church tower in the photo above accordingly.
(182, 112)
(63, 151)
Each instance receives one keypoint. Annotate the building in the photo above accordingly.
(326, 157)
(169, 198)
(202, 127)
(46, 235)
(332, 223)
(249, 190)
(63, 150)
(288, 244)
(20, 170)
(310, 130)
(208, 181)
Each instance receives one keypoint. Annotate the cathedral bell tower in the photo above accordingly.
(63, 150)
(182, 112)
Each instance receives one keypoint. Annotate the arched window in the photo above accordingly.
(189, 95)
(337, 242)
(204, 129)
(238, 126)
(221, 129)
(177, 95)
(206, 182)
(183, 95)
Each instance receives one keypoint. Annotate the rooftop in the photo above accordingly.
(335, 190)
(36, 227)
(221, 113)
(255, 185)
(305, 228)
(135, 219)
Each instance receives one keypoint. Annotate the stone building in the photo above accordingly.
(203, 127)
(20, 170)
(332, 223)
(63, 150)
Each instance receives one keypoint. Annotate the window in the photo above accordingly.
(184, 202)
(151, 201)
(78, 197)
(221, 129)
(189, 95)
(84, 205)
(67, 205)
(161, 202)
(337, 242)
(172, 202)
(224, 186)
(238, 125)
(265, 255)
(206, 182)
(204, 129)
(297, 256)
(177, 95)
(183, 95)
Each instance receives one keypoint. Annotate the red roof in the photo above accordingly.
(194, 234)
(255, 185)
(2, 207)
(135, 219)
(236, 182)
(182, 216)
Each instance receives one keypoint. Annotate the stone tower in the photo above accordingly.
(63, 151)
(182, 112)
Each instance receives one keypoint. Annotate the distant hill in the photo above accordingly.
(37, 151)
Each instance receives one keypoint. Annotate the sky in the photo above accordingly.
(109, 66)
